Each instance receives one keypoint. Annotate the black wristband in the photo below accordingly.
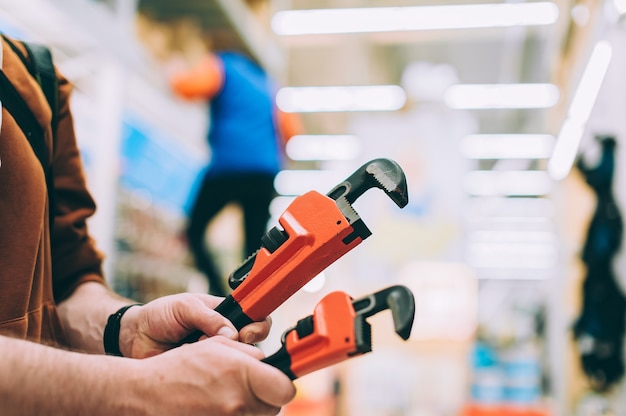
(111, 336)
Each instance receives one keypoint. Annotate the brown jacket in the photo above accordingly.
(39, 268)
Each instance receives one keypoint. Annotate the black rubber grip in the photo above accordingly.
(230, 309)
(281, 360)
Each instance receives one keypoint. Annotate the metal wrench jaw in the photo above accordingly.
(399, 299)
(381, 173)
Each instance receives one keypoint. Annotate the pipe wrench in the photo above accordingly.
(338, 330)
(314, 231)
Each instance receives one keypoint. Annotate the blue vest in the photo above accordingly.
(243, 133)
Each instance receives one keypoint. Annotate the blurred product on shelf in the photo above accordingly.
(593, 404)
(507, 370)
(151, 259)
(502, 410)
(600, 327)
(247, 134)
(506, 377)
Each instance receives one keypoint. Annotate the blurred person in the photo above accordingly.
(246, 137)
(58, 317)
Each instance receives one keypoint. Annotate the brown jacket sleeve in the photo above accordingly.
(75, 258)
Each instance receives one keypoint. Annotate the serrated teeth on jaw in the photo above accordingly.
(381, 177)
(347, 209)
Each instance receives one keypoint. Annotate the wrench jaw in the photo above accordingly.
(362, 336)
(401, 302)
(384, 174)
(360, 230)
(399, 299)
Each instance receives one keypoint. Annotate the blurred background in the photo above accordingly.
(490, 108)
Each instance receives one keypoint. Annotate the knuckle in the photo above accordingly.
(237, 406)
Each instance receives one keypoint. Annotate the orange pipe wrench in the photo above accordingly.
(315, 230)
(338, 330)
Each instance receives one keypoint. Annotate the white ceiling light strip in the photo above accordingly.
(519, 256)
(501, 96)
(507, 146)
(279, 205)
(498, 206)
(512, 236)
(509, 183)
(521, 249)
(579, 111)
(323, 147)
(298, 182)
(348, 98)
(620, 6)
(393, 19)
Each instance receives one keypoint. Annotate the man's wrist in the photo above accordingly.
(112, 338)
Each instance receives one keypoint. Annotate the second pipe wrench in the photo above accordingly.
(338, 330)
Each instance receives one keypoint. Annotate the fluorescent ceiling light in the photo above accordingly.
(517, 274)
(323, 147)
(510, 183)
(507, 146)
(298, 182)
(498, 256)
(279, 205)
(387, 19)
(512, 236)
(590, 83)
(566, 149)
(579, 111)
(500, 249)
(620, 6)
(512, 249)
(494, 96)
(509, 221)
(349, 98)
(498, 207)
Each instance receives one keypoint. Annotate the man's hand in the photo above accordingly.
(160, 325)
(215, 376)
(150, 329)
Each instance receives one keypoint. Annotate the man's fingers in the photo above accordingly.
(209, 300)
(270, 385)
(197, 313)
(250, 334)
(250, 350)
(256, 331)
